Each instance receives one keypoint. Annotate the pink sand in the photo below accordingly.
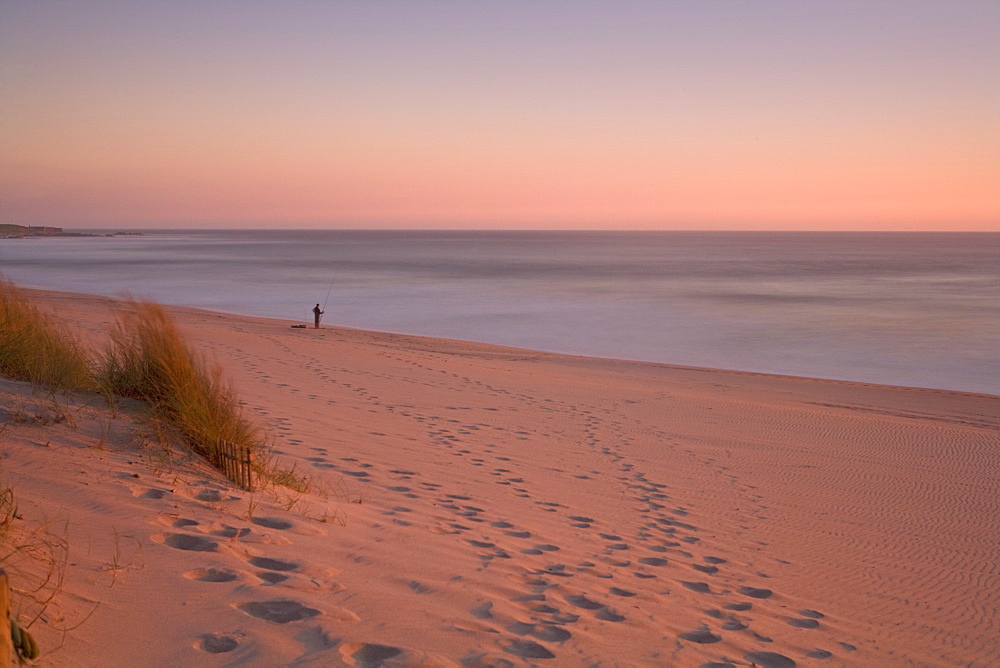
(482, 505)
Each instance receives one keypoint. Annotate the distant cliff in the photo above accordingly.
(20, 231)
(29, 231)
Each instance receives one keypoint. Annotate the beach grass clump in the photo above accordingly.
(37, 349)
(147, 359)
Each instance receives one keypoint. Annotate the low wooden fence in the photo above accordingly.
(236, 461)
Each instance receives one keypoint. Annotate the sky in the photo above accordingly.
(501, 114)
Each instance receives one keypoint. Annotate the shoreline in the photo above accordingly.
(487, 504)
(516, 349)
(690, 301)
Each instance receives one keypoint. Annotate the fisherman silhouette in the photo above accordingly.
(317, 312)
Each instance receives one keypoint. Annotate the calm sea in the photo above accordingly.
(897, 308)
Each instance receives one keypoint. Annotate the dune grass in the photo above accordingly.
(148, 360)
(37, 349)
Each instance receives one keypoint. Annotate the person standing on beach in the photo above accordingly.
(317, 312)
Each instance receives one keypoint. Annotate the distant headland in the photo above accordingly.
(8, 231)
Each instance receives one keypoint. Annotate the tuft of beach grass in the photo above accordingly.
(37, 349)
(147, 359)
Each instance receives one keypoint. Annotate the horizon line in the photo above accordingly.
(523, 229)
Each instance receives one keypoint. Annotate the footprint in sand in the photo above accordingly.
(419, 588)
(701, 636)
(581, 601)
(653, 561)
(559, 570)
(481, 544)
(803, 623)
(769, 659)
(209, 495)
(755, 592)
(551, 633)
(520, 628)
(482, 611)
(272, 564)
(739, 607)
(219, 643)
(609, 615)
(527, 649)
(272, 523)
(230, 532)
(181, 523)
(211, 575)
(187, 542)
(278, 611)
(371, 655)
(700, 587)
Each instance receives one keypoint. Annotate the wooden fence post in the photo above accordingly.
(248, 467)
(6, 644)
(236, 461)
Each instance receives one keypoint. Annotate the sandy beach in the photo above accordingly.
(486, 506)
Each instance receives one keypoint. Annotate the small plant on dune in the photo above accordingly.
(148, 360)
(36, 560)
(252, 504)
(272, 473)
(290, 478)
(36, 349)
(8, 512)
(117, 563)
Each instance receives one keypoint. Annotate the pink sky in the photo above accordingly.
(649, 115)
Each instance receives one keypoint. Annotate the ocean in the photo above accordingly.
(916, 309)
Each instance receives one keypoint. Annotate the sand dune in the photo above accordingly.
(493, 506)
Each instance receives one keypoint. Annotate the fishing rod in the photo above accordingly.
(327, 295)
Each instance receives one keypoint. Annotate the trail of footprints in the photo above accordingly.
(623, 573)
(241, 556)
(638, 570)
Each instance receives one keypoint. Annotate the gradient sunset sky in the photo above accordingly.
(798, 114)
